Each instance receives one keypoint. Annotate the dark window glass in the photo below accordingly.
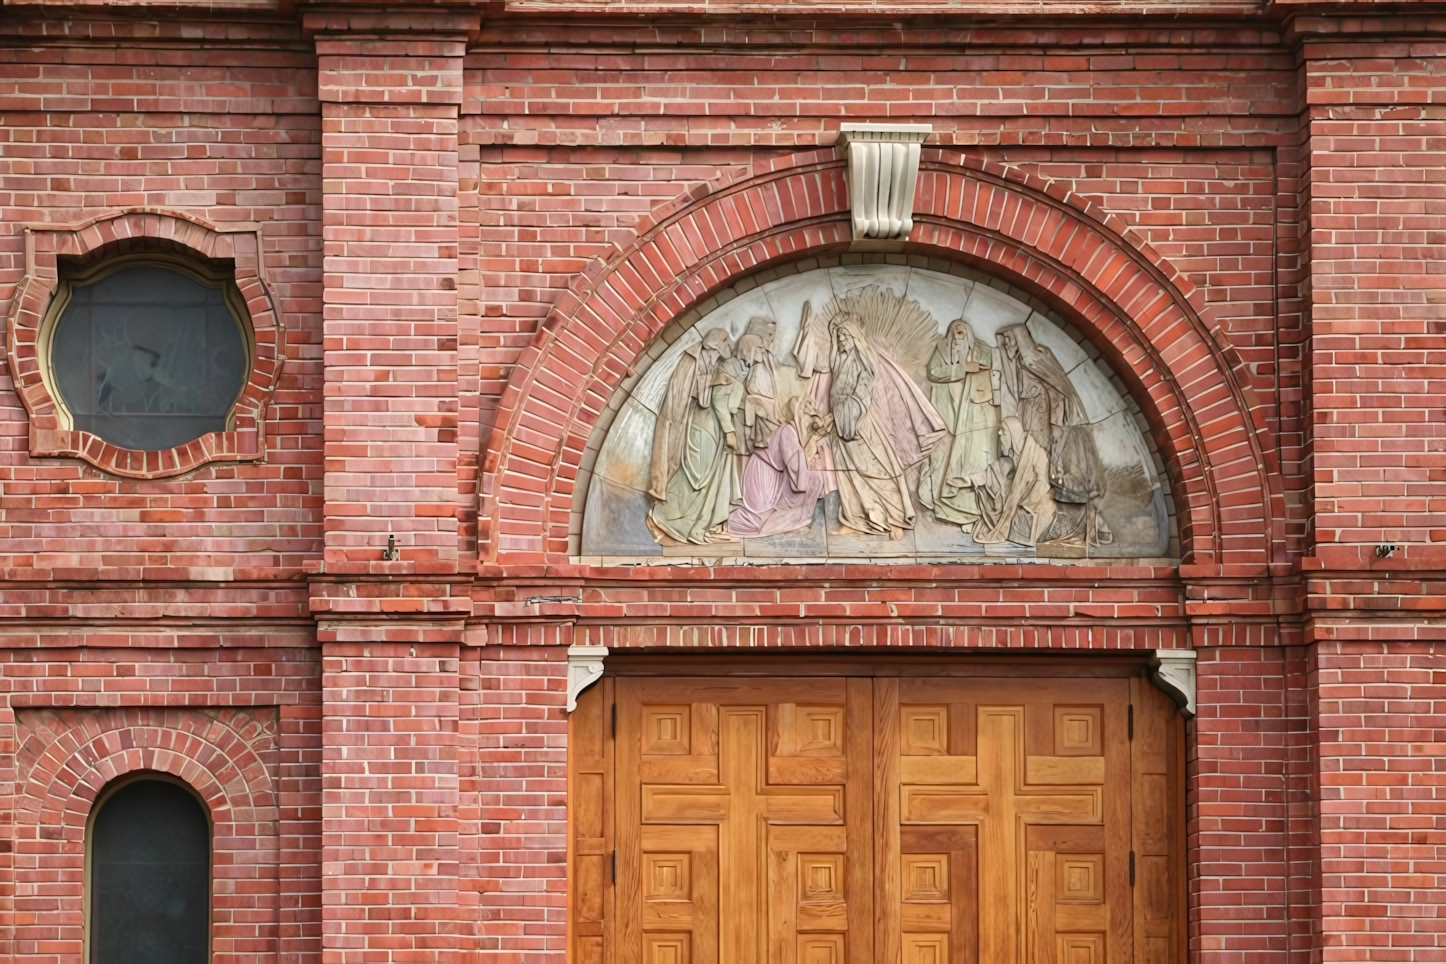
(150, 877)
(148, 358)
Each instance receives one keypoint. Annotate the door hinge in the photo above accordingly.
(1130, 722)
(615, 720)
(1132, 868)
(615, 868)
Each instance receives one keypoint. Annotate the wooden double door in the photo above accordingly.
(853, 820)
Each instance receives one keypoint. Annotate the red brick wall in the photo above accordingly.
(1379, 781)
(514, 791)
(118, 115)
(384, 741)
(236, 718)
(1376, 314)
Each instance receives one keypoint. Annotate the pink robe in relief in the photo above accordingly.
(780, 489)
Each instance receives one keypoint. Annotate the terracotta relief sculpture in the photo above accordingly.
(1036, 390)
(698, 443)
(962, 378)
(781, 481)
(760, 415)
(691, 381)
(876, 431)
(1018, 481)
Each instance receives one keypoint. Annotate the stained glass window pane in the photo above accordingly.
(150, 877)
(148, 358)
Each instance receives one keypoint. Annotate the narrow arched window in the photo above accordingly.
(150, 875)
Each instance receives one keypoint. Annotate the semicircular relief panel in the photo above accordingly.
(875, 412)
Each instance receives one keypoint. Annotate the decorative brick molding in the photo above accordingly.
(65, 758)
(122, 232)
(1134, 306)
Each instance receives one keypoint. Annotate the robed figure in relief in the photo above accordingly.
(882, 424)
(690, 387)
(781, 481)
(1035, 389)
(694, 475)
(1018, 481)
(759, 417)
(960, 375)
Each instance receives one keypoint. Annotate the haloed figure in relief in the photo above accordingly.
(694, 477)
(882, 425)
(960, 376)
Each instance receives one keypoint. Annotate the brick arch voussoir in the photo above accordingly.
(206, 752)
(1085, 206)
(1148, 294)
(560, 385)
(1125, 297)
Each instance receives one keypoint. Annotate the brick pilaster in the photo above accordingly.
(389, 793)
(1376, 312)
(390, 89)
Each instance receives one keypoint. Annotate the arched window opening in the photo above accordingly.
(150, 875)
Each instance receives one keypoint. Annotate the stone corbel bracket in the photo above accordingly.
(584, 668)
(1173, 670)
(883, 168)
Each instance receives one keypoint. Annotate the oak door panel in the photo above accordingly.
(1014, 764)
(590, 843)
(1157, 823)
(743, 811)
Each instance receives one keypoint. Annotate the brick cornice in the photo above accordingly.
(440, 22)
(369, 600)
(1352, 23)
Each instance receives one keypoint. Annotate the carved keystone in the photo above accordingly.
(883, 166)
(1174, 672)
(584, 668)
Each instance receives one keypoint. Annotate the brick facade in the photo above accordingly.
(457, 229)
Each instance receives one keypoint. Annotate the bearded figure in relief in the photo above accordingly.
(882, 425)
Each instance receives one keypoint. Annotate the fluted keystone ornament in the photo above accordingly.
(883, 166)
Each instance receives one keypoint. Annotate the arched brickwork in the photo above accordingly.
(65, 758)
(1141, 313)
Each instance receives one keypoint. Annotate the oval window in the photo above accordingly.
(148, 357)
(150, 877)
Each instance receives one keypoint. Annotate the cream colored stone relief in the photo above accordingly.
(875, 412)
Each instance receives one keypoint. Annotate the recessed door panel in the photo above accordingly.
(768, 784)
(1034, 762)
